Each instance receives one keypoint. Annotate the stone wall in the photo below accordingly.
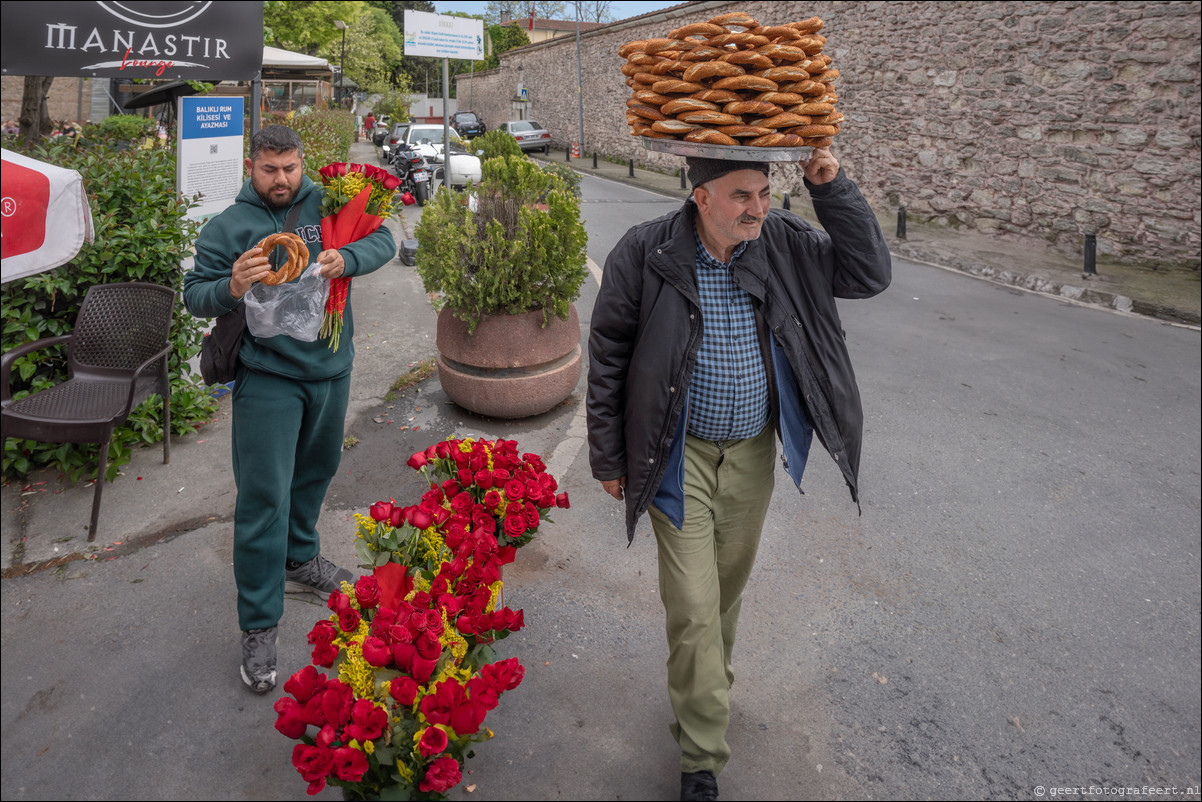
(65, 101)
(1044, 120)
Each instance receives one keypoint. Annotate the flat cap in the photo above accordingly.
(703, 170)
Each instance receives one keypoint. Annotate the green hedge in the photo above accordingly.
(326, 133)
(142, 233)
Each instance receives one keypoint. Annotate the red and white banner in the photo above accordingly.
(46, 216)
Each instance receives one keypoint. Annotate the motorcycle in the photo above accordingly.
(410, 166)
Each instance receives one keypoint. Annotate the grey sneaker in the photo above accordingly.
(319, 576)
(258, 658)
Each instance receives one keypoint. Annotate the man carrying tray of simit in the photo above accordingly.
(715, 331)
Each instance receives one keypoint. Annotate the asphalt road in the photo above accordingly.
(1017, 607)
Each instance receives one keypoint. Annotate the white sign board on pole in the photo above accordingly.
(443, 37)
(210, 152)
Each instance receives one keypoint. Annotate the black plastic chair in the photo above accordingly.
(116, 359)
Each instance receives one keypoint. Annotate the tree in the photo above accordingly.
(503, 37)
(373, 50)
(35, 115)
(306, 26)
(595, 11)
(517, 10)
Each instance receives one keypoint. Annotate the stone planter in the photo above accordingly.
(510, 366)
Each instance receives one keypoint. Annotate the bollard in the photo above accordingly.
(594, 160)
(1091, 254)
(632, 168)
(784, 202)
(901, 222)
(683, 185)
(567, 154)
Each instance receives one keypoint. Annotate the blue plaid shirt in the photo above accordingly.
(728, 399)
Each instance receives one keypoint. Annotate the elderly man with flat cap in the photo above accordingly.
(715, 332)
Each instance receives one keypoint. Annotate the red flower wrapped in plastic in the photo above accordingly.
(358, 199)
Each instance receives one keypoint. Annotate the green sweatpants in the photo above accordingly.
(287, 441)
(703, 569)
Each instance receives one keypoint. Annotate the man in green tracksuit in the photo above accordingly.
(290, 397)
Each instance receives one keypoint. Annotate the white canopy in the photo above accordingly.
(276, 59)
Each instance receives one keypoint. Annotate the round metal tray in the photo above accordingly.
(733, 152)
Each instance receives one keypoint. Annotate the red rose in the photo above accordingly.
(367, 592)
(451, 488)
(377, 653)
(404, 690)
(484, 694)
(368, 721)
(418, 461)
(323, 632)
(463, 504)
(292, 717)
(338, 601)
(348, 620)
(314, 764)
(336, 701)
(442, 775)
(515, 490)
(515, 526)
(532, 516)
(381, 510)
(464, 475)
(455, 535)
(305, 683)
(396, 518)
(492, 500)
(467, 717)
(324, 655)
(534, 462)
(433, 742)
(348, 764)
(506, 554)
(504, 675)
(419, 518)
(422, 669)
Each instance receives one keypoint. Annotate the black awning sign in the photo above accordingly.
(207, 41)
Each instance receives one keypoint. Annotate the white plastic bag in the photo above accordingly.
(290, 310)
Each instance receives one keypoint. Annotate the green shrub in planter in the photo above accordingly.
(141, 235)
(495, 144)
(522, 249)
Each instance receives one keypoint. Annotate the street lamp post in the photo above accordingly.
(340, 25)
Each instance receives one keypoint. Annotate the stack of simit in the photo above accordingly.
(733, 81)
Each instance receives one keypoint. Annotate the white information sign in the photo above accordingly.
(442, 36)
(210, 152)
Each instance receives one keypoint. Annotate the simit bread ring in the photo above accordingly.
(687, 104)
(711, 69)
(298, 257)
(752, 82)
(697, 28)
(738, 18)
(710, 137)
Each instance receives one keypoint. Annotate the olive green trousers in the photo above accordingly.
(287, 443)
(703, 568)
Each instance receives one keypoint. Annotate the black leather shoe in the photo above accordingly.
(698, 785)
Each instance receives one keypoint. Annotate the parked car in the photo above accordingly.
(427, 139)
(530, 135)
(467, 124)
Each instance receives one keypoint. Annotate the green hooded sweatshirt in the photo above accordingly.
(233, 232)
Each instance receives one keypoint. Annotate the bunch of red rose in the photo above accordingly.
(331, 707)
(501, 491)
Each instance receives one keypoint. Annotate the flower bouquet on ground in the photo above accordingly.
(413, 670)
(358, 198)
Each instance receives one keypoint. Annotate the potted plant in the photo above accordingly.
(506, 261)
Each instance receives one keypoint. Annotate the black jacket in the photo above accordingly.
(646, 331)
